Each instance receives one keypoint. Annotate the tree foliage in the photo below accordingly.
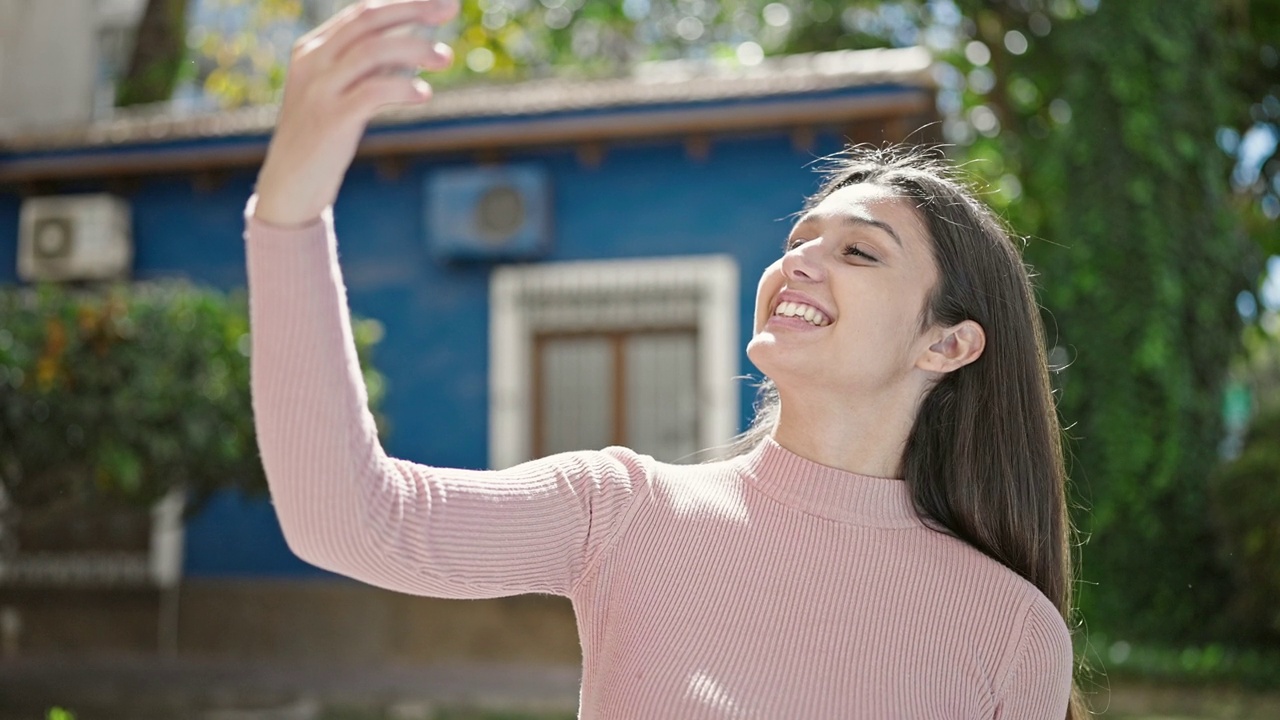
(1100, 137)
(1146, 296)
(1252, 29)
(124, 393)
(158, 51)
(1246, 493)
(240, 46)
(238, 49)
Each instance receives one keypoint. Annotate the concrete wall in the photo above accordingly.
(48, 62)
(294, 621)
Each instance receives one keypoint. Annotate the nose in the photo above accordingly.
(801, 263)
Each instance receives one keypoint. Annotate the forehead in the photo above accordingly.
(876, 202)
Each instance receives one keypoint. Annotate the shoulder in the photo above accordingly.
(626, 461)
(969, 570)
(610, 466)
(1020, 634)
(1044, 640)
(621, 469)
(1008, 615)
(1036, 678)
(712, 489)
(699, 489)
(1017, 608)
(602, 483)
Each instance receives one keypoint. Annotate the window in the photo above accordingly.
(636, 388)
(640, 353)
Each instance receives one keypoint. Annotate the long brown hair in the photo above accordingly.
(984, 459)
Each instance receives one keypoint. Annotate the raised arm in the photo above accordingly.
(342, 503)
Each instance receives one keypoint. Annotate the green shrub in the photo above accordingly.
(1213, 664)
(121, 393)
(1246, 501)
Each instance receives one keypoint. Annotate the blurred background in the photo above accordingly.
(560, 252)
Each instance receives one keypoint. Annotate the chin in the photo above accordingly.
(764, 352)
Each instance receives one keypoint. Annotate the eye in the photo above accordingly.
(793, 243)
(857, 251)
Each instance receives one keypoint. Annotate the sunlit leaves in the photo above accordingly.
(126, 392)
(238, 48)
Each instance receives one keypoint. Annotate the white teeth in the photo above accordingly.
(809, 313)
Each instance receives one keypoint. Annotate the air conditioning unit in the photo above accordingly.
(489, 213)
(74, 237)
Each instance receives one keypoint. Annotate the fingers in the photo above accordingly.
(372, 18)
(326, 28)
(403, 55)
(339, 76)
(363, 41)
(380, 91)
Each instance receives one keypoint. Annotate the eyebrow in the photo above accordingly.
(860, 220)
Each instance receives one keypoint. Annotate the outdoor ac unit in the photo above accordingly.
(74, 237)
(489, 213)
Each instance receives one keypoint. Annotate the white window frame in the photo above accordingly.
(713, 279)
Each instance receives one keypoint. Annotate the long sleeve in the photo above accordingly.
(345, 506)
(1038, 683)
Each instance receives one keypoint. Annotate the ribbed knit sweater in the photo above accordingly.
(765, 586)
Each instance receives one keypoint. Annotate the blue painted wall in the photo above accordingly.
(644, 199)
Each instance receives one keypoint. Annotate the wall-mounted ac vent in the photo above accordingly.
(74, 237)
(489, 213)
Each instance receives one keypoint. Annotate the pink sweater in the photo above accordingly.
(766, 586)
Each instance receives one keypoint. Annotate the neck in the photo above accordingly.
(867, 440)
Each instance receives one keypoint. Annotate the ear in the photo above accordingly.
(958, 346)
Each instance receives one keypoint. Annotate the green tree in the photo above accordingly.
(238, 48)
(1106, 140)
(158, 50)
(1148, 296)
(121, 393)
(1252, 27)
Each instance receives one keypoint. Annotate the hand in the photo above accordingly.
(339, 76)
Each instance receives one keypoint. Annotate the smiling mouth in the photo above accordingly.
(808, 313)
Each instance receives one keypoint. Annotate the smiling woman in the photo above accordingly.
(891, 542)
(939, 374)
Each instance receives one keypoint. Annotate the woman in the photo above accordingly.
(892, 543)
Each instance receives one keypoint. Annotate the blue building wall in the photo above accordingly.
(644, 199)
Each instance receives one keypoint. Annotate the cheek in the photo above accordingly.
(883, 321)
(897, 325)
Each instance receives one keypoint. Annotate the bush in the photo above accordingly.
(122, 393)
(1213, 664)
(1246, 501)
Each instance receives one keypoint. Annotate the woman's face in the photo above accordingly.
(841, 308)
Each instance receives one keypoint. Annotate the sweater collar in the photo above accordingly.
(828, 492)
